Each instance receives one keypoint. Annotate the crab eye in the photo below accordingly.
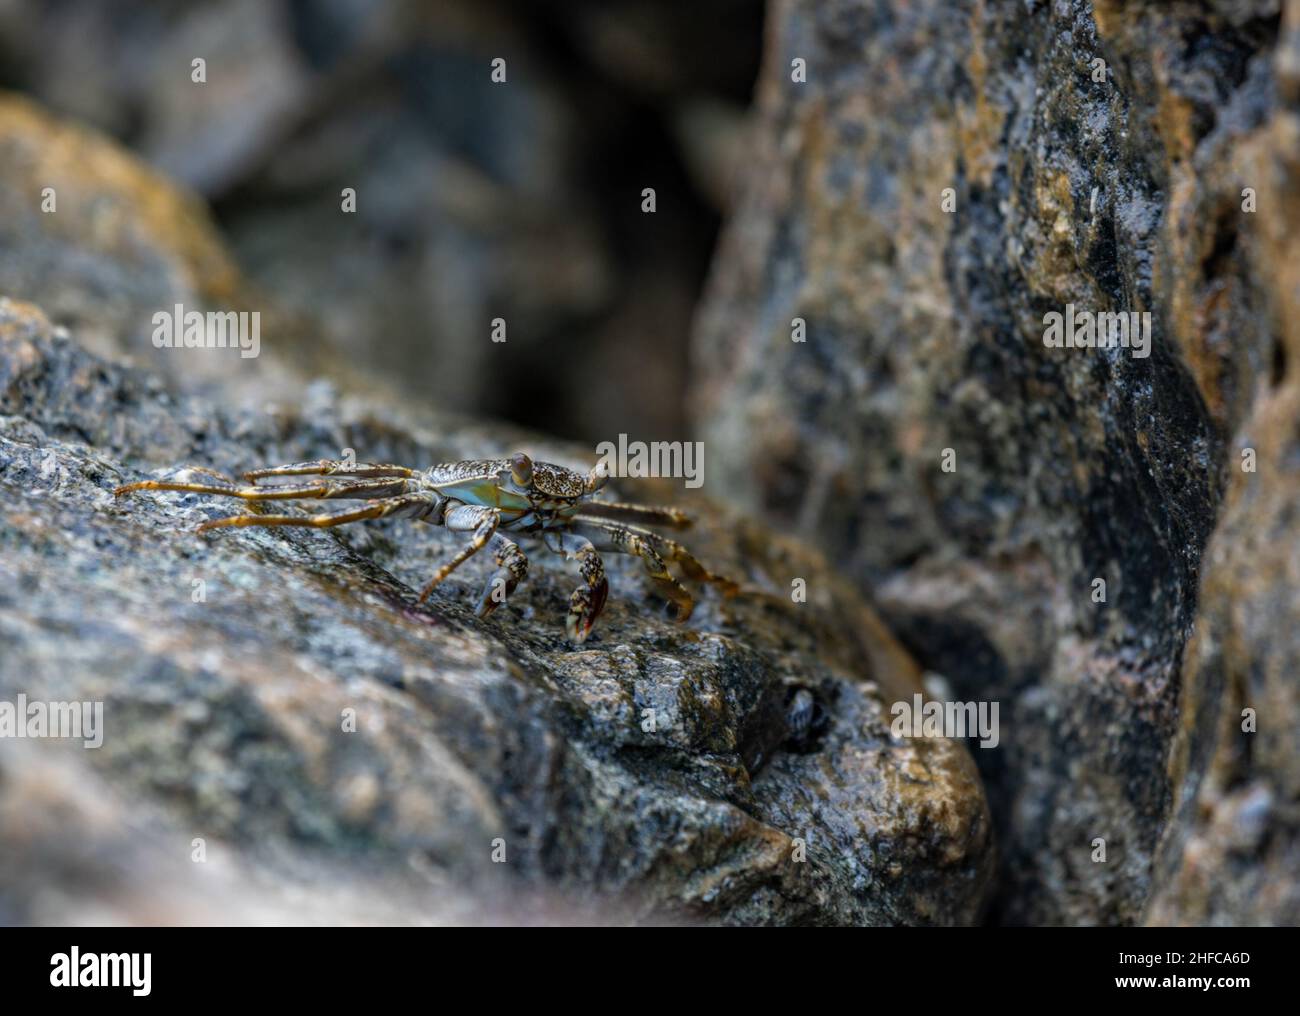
(521, 469)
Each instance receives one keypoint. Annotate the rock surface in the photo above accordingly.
(1232, 852)
(1099, 155)
(229, 666)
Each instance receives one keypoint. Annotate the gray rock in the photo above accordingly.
(1116, 187)
(228, 666)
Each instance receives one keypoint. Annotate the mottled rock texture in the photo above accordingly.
(229, 667)
(1116, 186)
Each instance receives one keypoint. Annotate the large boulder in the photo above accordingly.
(280, 698)
(932, 180)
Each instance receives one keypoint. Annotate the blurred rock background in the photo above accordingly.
(475, 200)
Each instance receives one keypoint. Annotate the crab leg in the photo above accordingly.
(406, 506)
(465, 518)
(284, 492)
(652, 549)
(588, 600)
(629, 540)
(329, 467)
(621, 536)
(512, 568)
(618, 511)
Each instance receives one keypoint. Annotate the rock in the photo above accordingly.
(78, 853)
(977, 483)
(1231, 851)
(99, 239)
(475, 201)
(233, 667)
(119, 243)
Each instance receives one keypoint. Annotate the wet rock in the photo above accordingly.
(943, 179)
(282, 696)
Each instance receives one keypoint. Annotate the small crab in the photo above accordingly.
(486, 498)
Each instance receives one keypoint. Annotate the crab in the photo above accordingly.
(485, 498)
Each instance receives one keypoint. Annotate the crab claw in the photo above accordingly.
(496, 592)
(513, 567)
(585, 606)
